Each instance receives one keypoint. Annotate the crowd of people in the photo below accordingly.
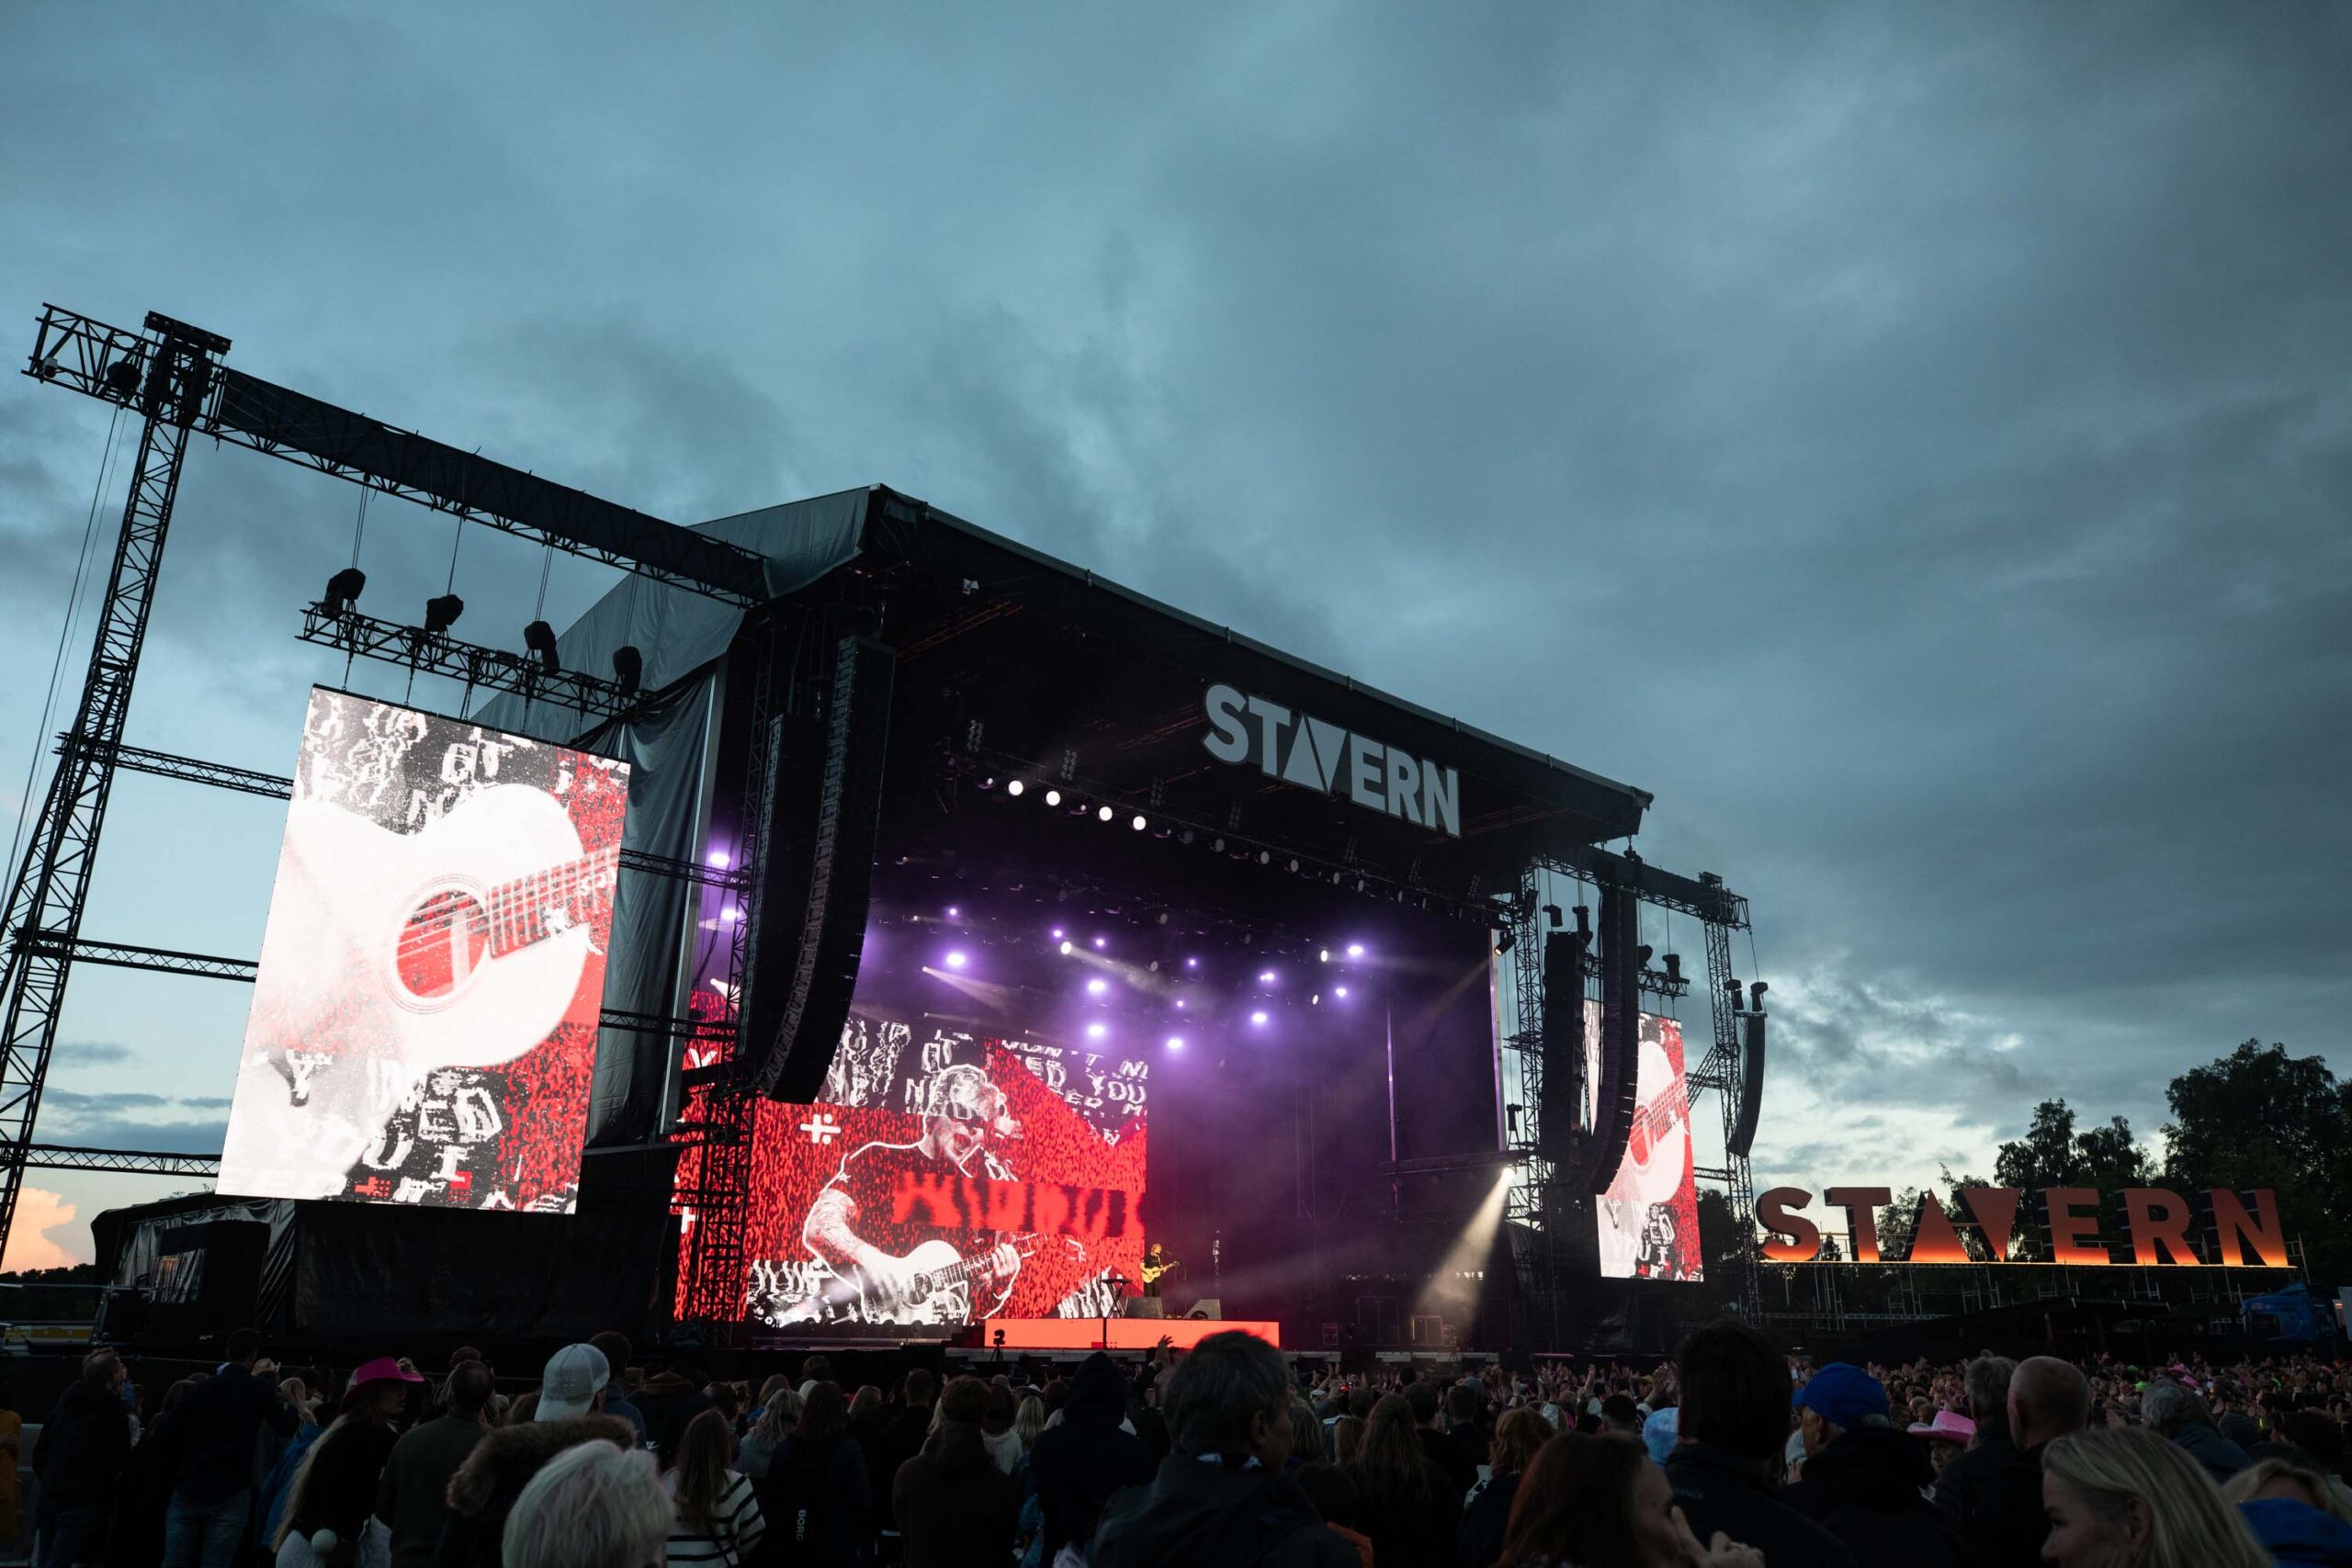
(1730, 1455)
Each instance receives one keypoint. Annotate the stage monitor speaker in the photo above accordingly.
(1619, 1079)
(1210, 1307)
(1559, 1105)
(1146, 1306)
(793, 1045)
(1751, 1085)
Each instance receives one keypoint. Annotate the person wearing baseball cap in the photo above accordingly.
(574, 1383)
(1865, 1478)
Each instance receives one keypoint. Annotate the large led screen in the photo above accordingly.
(423, 1023)
(979, 1149)
(1648, 1219)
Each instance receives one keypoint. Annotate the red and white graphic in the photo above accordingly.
(972, 1182)
(423, 1022)
(1648, 1220)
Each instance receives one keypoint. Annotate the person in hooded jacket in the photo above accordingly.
(817, 1495)
(1078, 1465)
(667, 1401)
(954, 1508)
(2179, 1414)
(1223, 1496)
(483, 1491)
(2294, 1512)
(1865, 1479)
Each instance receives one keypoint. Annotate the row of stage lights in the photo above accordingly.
(1138, 822)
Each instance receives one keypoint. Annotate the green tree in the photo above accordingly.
(2053, 1153)
(2259, 1117)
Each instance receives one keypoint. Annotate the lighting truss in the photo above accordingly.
(136, 1162)
(438, 653)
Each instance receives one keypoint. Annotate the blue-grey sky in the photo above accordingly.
(1915, 441)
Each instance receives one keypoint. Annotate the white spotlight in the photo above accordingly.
(1138, 824)
(1015, 788)
(1052, 798)
(1106, 814)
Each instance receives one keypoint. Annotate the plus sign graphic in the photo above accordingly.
(821, 1129)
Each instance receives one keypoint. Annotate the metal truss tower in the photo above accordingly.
(166, 376)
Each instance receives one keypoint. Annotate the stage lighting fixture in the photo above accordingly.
(1294, 863)
(629, 669)
(1340, 992)
(1315, 1001)
(1355, 950)
(1102, 942)
(953, 911)
(1641, 956)
(1105, 813)
(1257, 1018)
(718, 859)
(1756, 995)
(1138, 824)
(1059, 935)
(1264, 858)
(441, 613)
(1185, 837)
(1096, 1030)
(1674, 967)
(1052, 798)
(1161, 918)
(539, 637)
(1217, 844)
(1191, 963)
(1014, 787)
(1097, 986)
(1584, 922)
(1153, 966)
(1179, 1004)
(731, 914)
(955, 961)
(1504, 940)
(344, 590)
(1553, 912)
(1323, 957)
(1066, 950)
(1175, 1042)
(1513, 1112)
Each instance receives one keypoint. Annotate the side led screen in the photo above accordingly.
(423, 1022)
(1648, 1219)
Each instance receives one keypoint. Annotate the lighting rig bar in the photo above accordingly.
(437, 653)
(135, 1162)
(110, 364)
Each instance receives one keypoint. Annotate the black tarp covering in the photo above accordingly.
(361, 1273)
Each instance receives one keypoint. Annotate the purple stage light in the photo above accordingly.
(1066, 950)
(718, 859)
(1180, 1001)
(731, 913)
(1057, 933)
(1100, 941)
(1355, 950)
(1265, 977)
(955, 961)
(1096, 1030)
(1175, 1042)
(1191, 963)
(1340, 992)
(1257, 1018)
(1097, 986)
(1323, 955)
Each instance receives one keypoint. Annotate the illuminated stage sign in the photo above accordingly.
(1320, 755)
(425, 1014)
(2238, 1229)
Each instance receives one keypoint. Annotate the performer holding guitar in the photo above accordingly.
(887, 1250)
(1156, 1262)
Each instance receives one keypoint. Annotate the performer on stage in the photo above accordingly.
(1156, 1262)
(865, 1222)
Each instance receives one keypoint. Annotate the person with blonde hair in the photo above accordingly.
(779, 1413)
(2121, 1498)
(718, 1518)
(594, 1505)
(2294, 1509)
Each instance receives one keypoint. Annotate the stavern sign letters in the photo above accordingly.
(1320, 755)
(2236, 1229)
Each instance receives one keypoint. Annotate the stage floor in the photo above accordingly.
(1127, 1332)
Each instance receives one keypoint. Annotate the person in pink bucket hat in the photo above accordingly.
(331, 1518)
(1948, 1435)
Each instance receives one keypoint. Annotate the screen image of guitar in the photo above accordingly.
(937, 1289)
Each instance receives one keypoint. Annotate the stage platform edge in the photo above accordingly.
(1127, 1332)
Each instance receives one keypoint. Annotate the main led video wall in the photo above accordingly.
(1648, 1218)
(980, 1147)
(425, 1015)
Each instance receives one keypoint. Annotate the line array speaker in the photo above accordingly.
(1559, 1105)
(1620, 1042)
(1751, 1083)
(791, 1064)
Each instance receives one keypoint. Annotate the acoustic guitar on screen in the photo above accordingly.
(461, 944)
(934, 1285)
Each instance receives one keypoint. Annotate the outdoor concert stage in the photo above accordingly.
(1036, 920)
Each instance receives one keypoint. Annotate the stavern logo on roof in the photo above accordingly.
(1318, 754)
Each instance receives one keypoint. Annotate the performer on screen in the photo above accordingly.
(877, 1220)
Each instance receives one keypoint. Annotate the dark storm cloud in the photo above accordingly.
(1912, 441)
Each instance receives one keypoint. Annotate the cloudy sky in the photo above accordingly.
(1913, 441)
